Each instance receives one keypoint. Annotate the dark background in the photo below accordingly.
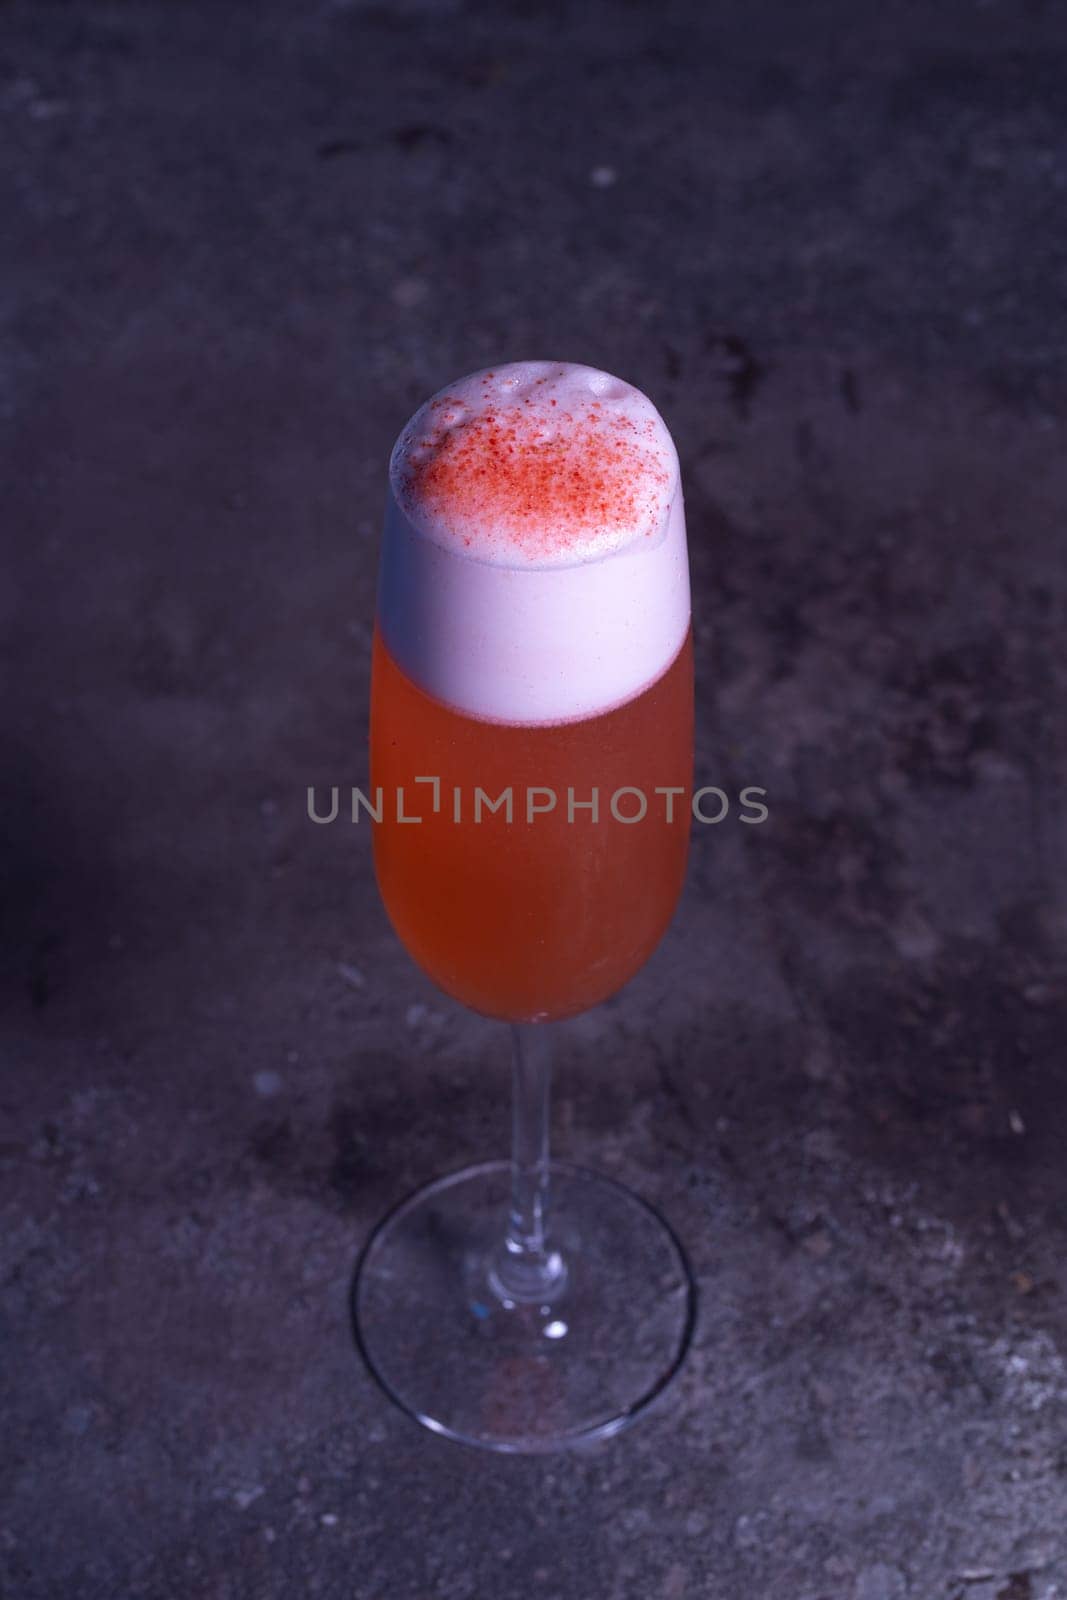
(242, 242)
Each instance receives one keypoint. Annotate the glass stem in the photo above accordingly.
(528, 1269)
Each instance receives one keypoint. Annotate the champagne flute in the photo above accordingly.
(531, 773)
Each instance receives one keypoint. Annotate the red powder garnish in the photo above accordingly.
(540, 480)
(512, 471)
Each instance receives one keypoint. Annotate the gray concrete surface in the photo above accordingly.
(241, 243)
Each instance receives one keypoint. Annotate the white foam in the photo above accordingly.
(534, 565)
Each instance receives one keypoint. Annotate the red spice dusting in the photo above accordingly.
(539, 481)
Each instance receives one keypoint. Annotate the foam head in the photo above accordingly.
(534, 562)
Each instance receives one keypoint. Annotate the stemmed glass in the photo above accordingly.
(531, 769)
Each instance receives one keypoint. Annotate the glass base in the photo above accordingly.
(489, 1371)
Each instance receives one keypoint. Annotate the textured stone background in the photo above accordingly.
(241, 243)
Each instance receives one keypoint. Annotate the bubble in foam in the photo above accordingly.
(536, 464)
